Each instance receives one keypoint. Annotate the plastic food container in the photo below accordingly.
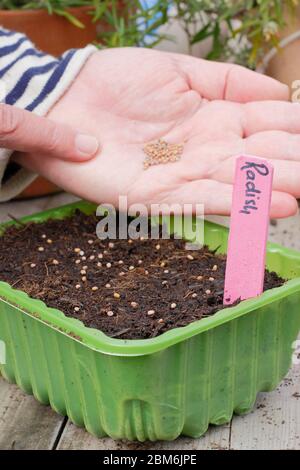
(177, 383)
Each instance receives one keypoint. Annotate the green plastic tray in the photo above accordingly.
(177, 383)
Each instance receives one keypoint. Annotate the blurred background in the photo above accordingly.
(258, 34)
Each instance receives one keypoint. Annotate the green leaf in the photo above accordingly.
(69, 17)
(204, 33)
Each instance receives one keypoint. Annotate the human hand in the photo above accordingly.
(24, 131)
(127, 97)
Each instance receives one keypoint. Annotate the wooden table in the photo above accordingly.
(274, 423)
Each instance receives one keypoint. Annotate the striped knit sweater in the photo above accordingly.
(33, 81)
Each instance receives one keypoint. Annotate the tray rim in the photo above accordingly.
(99, 341)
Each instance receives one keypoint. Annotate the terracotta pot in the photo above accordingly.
(285, 63)
(53, 34)
(40, 187)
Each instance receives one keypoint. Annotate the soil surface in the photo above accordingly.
(129, 289)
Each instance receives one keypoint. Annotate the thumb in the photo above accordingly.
(26, 132)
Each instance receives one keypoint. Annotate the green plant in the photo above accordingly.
(137, 23)
(131, 22)
(58, 7)
(241, 31)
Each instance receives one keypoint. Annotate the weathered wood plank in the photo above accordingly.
(25, 423)
(275, 422)
(76, 438)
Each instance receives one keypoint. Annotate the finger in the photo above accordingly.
(24, 131)
(286, 175)
(215, 80)
(283, 205)
(270, 116)
(278, 145)
(217, 198)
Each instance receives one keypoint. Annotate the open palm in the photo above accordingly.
(127, 97)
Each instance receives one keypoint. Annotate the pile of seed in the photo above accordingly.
(161, 152)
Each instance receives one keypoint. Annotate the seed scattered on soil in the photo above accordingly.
(130, 241)
(131, 268)
(110, 313)
(81, 253)
(173, 305)
(100, 256)
(140, 261)
(161, 151)
(190, 257)
(133, 304)
(32, 265)
(92, 257)
(215, 267)
(76, 309)
(108, 286)
(44, 236)
(77, 250)
(90, 242)
(111, 245)
(49, 241)
(116, 295)
(78, 261)
(211, 279)
(160, 320)
(120, 262)
(83, 272)
(99, 264)
(64, 288)
(41, 248)
(55, 262)
(166, 271)
(94, 288)
(83, 258)
(108, 265)
(199, 278)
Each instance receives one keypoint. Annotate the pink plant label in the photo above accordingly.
(245, 267)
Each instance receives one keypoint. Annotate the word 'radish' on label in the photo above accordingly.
(252, 192)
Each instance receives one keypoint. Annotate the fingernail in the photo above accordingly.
(86, 144)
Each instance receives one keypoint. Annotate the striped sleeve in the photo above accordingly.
(35, 81)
